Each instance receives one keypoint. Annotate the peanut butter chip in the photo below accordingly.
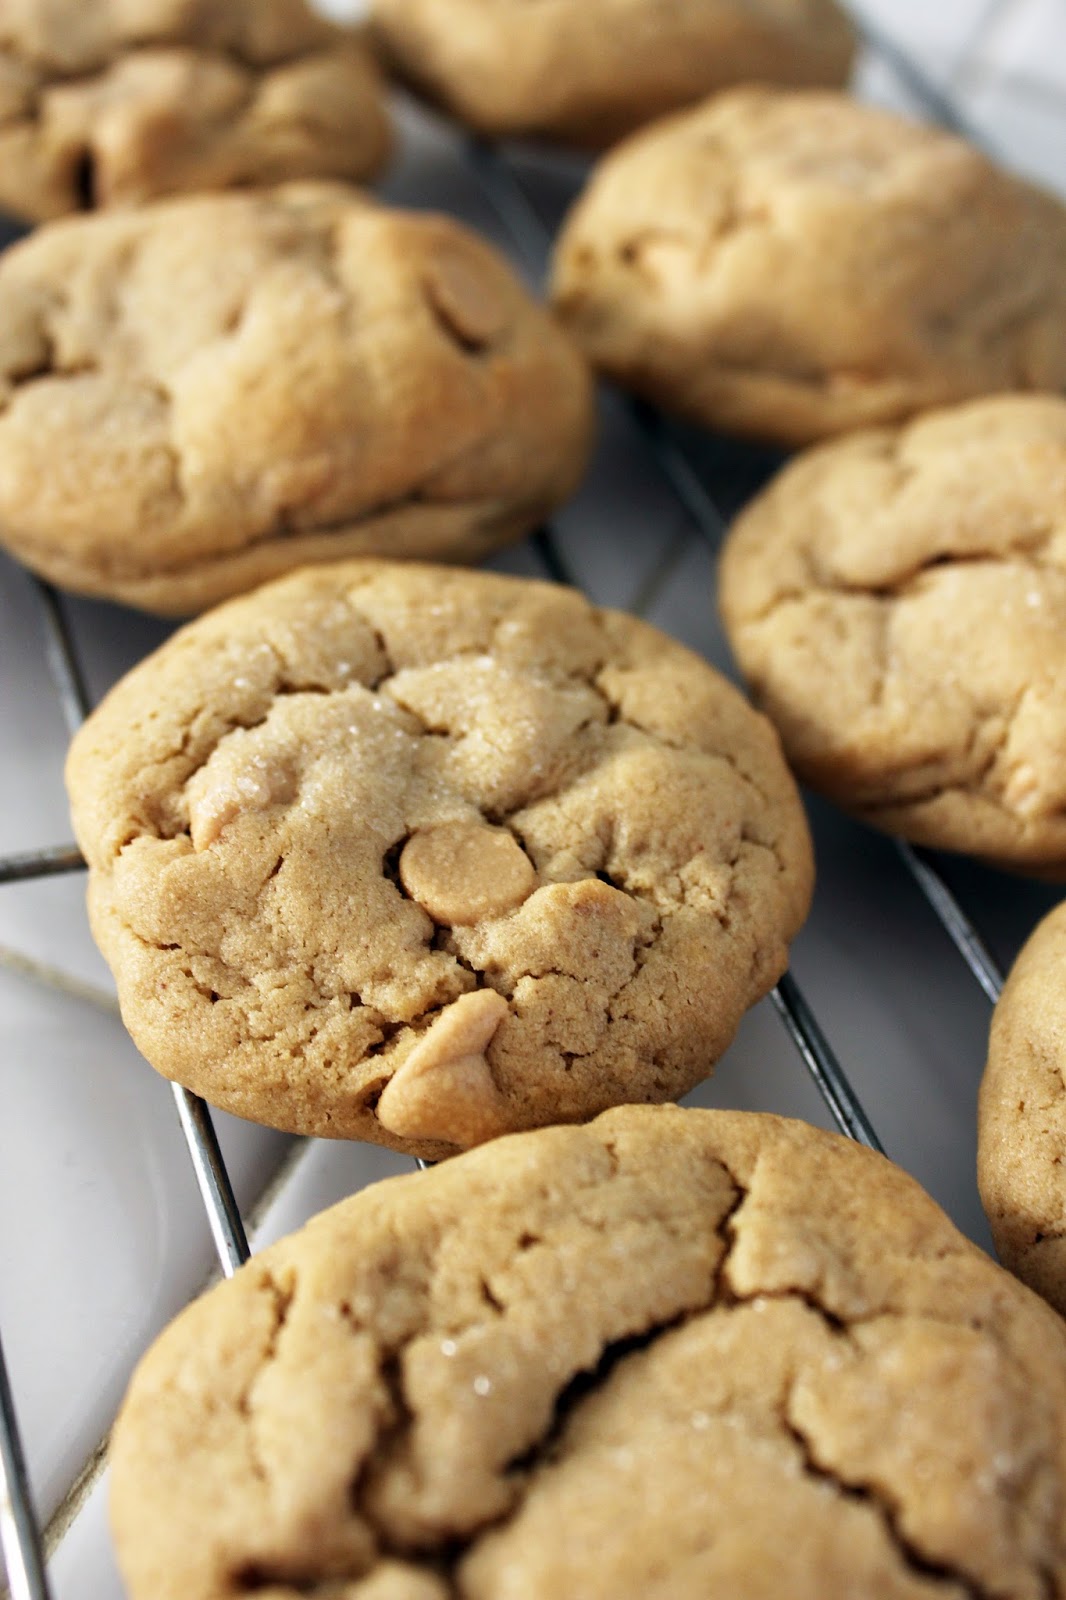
(465, 299)
(445, 1090)
(464, 872)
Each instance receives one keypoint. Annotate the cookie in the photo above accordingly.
(587, 74)
(112, 105)
(672, 1354)
(423, 856)
(205, 393)
(897, 601)
(1021, 1146)
(794, 265)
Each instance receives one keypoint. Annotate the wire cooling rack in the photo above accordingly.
(707, 499)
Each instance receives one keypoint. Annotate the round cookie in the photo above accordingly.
(202, 394)
(673, 1355)
(423, 856)
(108, 104)
(1021, 1148)
(792, 266)
(587, 74)
(897, 601)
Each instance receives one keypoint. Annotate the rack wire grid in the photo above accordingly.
(708, 479)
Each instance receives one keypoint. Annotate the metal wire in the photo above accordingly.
(831, 1080)
(212, 1177)
(964, 936)
(216, 1190)
(19, 1539)
(914, 79)
(47, 863)
(62, 658)
(552, 559)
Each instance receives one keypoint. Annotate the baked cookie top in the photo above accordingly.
(897, 601)
(671, 1354)
(1021, 1150)
(113, 102)
(589, 73)
(202, 394)
(423, 856)
(794, 265)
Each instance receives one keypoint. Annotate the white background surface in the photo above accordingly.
(101, 1231)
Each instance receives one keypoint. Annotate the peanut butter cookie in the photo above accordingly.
(210, 391)
(674, 1355)
(792, 266)
(587, 74)
(1021, 1151)
(114, 102)
(423, 856)
(897, 601)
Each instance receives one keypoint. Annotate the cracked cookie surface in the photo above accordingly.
(420, 855)
(202, 394)
(114, 102)
(791, 266)
(670, 1354)
(1021, 1145)
(587, 74)
(897, 602)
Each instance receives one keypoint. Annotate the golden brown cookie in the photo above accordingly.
(422, 856)
(114, 102)
(588, 73)
(792, 266)
(674, 1355)
(1021, 1150)
(897, 601)
(199, 395)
